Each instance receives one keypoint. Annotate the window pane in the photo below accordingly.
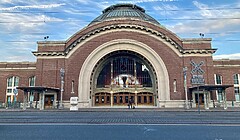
(16, 81)
(139, 99)
(9, 90)
(150, 99)
(121, 100)
(32, 81)
(236, 90)
(220, 98)
(145, 99)
(218, 79)
(237, 97)
(108, 99)
(97, 99)
(102, 99)
(126, 99)
(9, 82)
(235, 77)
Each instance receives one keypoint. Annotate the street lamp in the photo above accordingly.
(185, 86)
(62, 84)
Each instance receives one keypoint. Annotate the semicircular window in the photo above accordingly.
(124, 72)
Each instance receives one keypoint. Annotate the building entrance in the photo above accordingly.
(201, 99)
(122, 77)
(48, 102)
(123, 99)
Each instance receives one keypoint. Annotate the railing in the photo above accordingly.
(10, 105)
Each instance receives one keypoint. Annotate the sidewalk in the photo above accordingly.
(96, 109)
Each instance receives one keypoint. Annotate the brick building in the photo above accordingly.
(123, 56)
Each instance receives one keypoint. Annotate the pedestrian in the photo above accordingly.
(128, 104)
(131, 102)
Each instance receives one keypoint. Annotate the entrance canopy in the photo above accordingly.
(210, 87)
(36, 90)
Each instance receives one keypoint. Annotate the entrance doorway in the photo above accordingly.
(102, 99)
(145, 99)
(48, 101)
(201, 99)
(122, 98)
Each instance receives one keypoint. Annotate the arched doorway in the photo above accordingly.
(122, 76)
(92, 63)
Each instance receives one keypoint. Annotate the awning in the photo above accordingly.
(38, 89)
(210, 87)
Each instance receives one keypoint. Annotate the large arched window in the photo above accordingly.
(121, 76)
(124, 72)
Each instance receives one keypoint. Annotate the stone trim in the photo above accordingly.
(163, 91)
(157, 34)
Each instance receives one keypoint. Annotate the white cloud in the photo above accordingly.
(145, 1)
(166, 9)
(203, 9)
(227, 56)
(224, 20)
(32, 7)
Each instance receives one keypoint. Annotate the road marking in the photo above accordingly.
(114, 124)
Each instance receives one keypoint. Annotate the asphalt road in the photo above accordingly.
(134, 125)
(119, 132)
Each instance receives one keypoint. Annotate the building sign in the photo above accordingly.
(197, 73)
(197, 80)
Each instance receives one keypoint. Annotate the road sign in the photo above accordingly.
(15, 91)
(197, 68)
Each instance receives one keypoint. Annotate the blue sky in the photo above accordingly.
(24, 22)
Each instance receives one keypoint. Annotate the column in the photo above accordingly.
(41, 100)
(135, 98)
(206, 100)
(111, 84)
(193, 100)
(111, 99)
(224, 100)
(25, 100)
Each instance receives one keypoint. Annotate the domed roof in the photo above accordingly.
(124, 11)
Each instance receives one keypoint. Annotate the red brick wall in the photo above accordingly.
(20, 70)
(227, 68)
(173, 63)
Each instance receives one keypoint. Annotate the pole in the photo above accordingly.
(198, 100)
(185, 87)
(198, 84)
(62, 84)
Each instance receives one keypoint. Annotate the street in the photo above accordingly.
(122, 124)
(119, 131)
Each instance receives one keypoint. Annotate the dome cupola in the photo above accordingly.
(123, 11)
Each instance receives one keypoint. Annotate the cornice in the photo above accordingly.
(124, 26)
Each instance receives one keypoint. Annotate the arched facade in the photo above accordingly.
(106, 44)
(161, 85)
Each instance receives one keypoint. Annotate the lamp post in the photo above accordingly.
(185, 86)
(62, 84)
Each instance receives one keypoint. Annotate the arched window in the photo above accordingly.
(12, 83)
(236, 87)
(218, 81)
